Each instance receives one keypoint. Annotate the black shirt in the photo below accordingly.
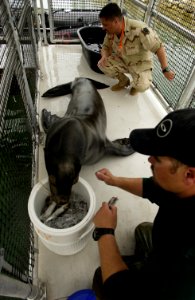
(170, 271)
(174, 225)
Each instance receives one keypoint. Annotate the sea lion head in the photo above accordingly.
(62, 180)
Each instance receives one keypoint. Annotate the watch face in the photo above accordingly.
(96, 235)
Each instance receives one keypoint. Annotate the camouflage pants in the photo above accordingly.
(142, 75)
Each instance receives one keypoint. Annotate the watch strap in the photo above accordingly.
(166, 70)
(99, 231)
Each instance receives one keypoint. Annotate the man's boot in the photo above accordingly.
(133, 91)
(123, 82)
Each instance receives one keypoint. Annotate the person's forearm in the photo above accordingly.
(110, 258)
(132, 185)
(161, 54)
(104, 52)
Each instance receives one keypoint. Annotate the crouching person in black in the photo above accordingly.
(163, 267)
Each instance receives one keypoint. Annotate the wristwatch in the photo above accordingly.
(166, 70)
(98, 232)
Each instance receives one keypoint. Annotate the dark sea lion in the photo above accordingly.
(78, 138)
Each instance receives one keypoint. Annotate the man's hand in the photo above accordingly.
(102, 62)
(106, 176)
(170, 75)
(106, 217)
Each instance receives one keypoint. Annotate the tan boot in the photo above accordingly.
(133, 91)
(123, 82)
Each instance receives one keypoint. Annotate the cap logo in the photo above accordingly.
(164, 128)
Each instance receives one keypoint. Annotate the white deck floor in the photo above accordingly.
(64, 275)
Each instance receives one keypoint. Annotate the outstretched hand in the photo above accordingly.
(106, 176)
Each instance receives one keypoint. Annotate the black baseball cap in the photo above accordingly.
(174, 136)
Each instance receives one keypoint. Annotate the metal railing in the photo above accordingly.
(18, 126)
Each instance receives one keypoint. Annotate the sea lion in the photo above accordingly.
(78, 138)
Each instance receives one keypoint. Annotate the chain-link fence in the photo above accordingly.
(178, 36)
(65, 17)
(18, 77)
(173, 20)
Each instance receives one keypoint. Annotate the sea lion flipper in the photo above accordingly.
(121, 147)
(65, 89)
(47, 119)
(98, 85)
(59, 90)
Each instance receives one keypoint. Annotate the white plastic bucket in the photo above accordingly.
(65, 241)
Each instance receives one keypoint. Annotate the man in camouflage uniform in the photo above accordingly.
(128, 48)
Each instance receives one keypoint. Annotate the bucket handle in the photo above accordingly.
(87, 232)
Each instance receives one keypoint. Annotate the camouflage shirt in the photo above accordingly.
(137, 45)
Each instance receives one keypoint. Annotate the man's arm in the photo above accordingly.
(132, 185)
(161, 54)
(151, 41)
(103, 59)
(105, 52)
(110, 258)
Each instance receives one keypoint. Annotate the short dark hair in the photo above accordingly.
(110, 11)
